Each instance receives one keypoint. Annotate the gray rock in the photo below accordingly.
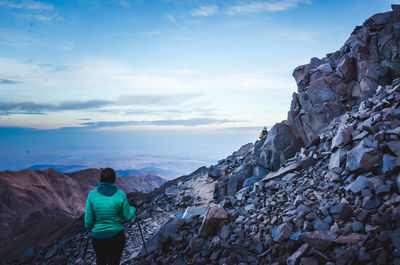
(282, 232)
(362, 158)
(321, 225)
(280, 145)
(396, 239)
(357, 226)
(371, 204)
(398, 182)
(309, 261)
(358, 185)
(320, 240)
(282, 171)
(342, 211)
(297, 254)
(342, 137)
(394, 146)
(390, 163)
(325, 68)
(225, 232)
(212, 220)
(164, 235)
(338, 157)
(217, 171)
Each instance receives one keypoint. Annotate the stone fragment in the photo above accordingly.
(390, 163)
(394, 146)
(396, 239)
(211, 221)
(217, 171)
(338, 157)
(282, 171)
(308, 261)
(224, 232)
(353, 238)
(358, 185)
(398, 182)
(320, 240)
(395, 198)
(282, 232)
(362, 158)
(342, 211)
(357, 226)
(342, 137)
(371, 204)
(249, 207)
(343, 257)
(321, 225)
(296, 255)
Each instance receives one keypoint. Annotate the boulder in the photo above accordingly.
(282, 232)
(363, 158)
(358, 185)
(212, 220)
(320, 240)
(390, 163)
(217, 171)
(297, 254)
(164, 235)
(338, 157)
(280, 145)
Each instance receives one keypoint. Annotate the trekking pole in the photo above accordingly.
(132, 202)
(86, 245)
(141, 234)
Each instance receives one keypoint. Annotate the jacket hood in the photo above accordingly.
(107, 188)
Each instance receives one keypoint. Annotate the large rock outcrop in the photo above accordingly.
(330, 86)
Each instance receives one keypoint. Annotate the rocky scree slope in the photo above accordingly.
(156, 209)
(39, 206)
(322, 187)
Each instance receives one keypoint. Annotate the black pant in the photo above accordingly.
(109, 250)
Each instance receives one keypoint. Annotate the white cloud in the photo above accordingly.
(150, 33)
(109, 80)
(171, 18)
(15, 38)
(28, 5)
(124, 3)
(204, 11)
(271, 6)
(307, 36)
(41, 17)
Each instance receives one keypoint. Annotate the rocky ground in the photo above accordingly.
(155, 210)
(320, 188)
(319, 208)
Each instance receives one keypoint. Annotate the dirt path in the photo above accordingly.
(201, 187)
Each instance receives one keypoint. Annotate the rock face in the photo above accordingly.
(323, 186)
(330, 86)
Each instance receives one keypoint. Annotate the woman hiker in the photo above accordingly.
(106, 210)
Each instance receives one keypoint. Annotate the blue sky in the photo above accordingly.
(181, 68)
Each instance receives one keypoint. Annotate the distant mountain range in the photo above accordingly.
(120, 173)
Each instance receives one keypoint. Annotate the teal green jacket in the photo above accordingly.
(106, 210)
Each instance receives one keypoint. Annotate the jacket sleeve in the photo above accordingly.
(89, 217)
(128, 212)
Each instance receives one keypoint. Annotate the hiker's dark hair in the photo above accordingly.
(107, 175)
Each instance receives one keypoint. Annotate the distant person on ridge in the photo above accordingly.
(106, 210)
(263, 132)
